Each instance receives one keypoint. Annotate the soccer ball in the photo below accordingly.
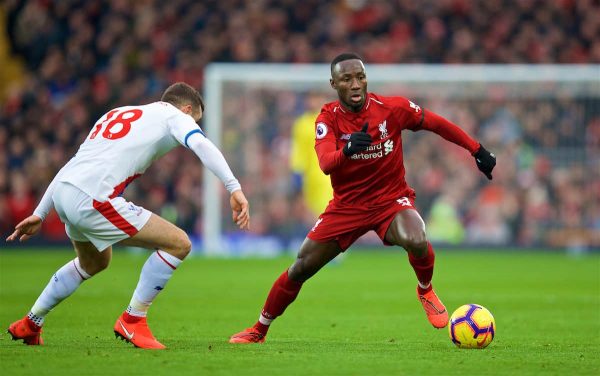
(472, 327)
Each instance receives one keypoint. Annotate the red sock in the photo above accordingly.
(282, 294)
(423, 267)
(130, 319)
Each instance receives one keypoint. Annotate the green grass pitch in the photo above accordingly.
(357, 317)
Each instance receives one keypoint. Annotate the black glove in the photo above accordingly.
(485, 161)
(359, 141)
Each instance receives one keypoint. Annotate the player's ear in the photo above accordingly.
(186, 109)
(332, 83)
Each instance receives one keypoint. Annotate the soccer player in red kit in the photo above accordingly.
(359, 144)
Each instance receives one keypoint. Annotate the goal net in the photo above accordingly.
(542, 122)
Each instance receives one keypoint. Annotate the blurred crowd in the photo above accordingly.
(82, 58)
(545, 190)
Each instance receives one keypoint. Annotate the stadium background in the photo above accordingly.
(64, 63)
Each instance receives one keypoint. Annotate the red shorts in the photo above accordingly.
(347, 223)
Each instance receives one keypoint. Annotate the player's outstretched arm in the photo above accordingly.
(32, 224)
(214, 160)
(484, 159)
(240, 209)
(26, 229)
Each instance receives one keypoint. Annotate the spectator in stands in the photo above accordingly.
(77, 54)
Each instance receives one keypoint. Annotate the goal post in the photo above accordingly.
(240, 97)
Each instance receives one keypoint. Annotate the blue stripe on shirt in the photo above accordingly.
(191, 133)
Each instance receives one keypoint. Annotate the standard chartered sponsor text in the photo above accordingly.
(373, 151)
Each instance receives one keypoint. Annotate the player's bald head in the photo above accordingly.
(343, 57)
(180, 94)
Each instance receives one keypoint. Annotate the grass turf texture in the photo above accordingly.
(358, 317)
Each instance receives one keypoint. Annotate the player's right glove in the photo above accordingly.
(485, 161)
(359, 141)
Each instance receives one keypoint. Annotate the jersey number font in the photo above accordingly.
(117, 126)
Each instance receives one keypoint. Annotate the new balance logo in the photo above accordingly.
(404, 201)
(416, 107)
(136, 209)
(316, 224)
(389, 146)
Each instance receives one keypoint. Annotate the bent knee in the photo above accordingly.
(299, 271)
(416, 244)
(183, 246)
(95, 266)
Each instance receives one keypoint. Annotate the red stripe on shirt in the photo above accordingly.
(111, 214)
(121, 186)
(166, 262)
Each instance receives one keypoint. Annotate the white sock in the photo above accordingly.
(265, 321)
(155, 274)
(424, 287)
(62, 284)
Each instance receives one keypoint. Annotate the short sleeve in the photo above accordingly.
(182, 126)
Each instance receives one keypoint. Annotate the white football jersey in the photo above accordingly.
(123, 144)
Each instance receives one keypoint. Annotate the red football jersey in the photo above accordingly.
(376, 175)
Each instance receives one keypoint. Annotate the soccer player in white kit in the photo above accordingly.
(86, 193)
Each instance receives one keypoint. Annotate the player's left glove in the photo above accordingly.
(485, 161)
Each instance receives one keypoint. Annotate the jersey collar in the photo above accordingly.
(351, 114)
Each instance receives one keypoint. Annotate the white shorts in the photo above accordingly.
(102, 223)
